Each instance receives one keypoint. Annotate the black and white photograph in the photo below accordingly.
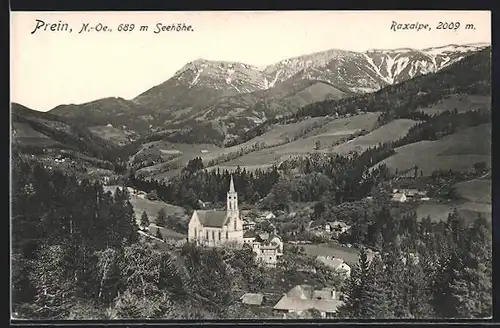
(268, 165)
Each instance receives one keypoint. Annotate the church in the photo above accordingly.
(214, 228)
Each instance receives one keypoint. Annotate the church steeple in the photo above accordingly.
(231, 185)
(232, 199)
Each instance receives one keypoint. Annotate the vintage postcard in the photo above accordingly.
(251, 165)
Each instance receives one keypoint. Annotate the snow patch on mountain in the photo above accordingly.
(356, 71)
(196, 78)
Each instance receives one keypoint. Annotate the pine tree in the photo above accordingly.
(392, 276)
(443, 299)
(416, 289)
(473, 287)
(161, 218)
(363, 294)
(50, 278)
(374, 303)
(144, 220)
(109, 275)
(158, 234)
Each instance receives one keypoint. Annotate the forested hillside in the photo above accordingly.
(471, 75)
(77, 254)
(35, 131)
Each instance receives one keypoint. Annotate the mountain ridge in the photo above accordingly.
(229, 91)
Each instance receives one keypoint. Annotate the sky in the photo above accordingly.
(50, 68)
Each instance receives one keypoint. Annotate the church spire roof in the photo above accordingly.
(231, 185)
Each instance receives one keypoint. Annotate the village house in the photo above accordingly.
(336, 264)
(337, 226)
(408, 193)
(303, 297)
(141, 194)
(248, 225)
(267, 247)
(216, 228)
(267, 216)
(252, 299)
(398, 197)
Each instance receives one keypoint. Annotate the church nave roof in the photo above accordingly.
(212, 218)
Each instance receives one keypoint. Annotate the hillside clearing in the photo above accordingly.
(165, 233)
(440, 211)
(149, 206)
(461, 103)
(333, 130)
(278, 134)
(349, 255)
(392, 131)
(24, 134)
(458, 152)
(326, 135)
(477, 191)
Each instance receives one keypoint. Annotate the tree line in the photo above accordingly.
(343, 177)
(444, 272)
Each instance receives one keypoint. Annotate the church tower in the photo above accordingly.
(232, 200)
(234, 223)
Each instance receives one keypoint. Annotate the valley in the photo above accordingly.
(251, 166)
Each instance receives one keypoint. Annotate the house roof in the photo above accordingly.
(251, 298)
(335, 263)
(398, 195)
(264, 236)
(324, 294)
(212, 218)
(338, 223)
(249, 234)
(301, 292)
(271, 246)
(296, 304)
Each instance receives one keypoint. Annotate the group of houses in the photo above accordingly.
(404, 195)
(299, 300)
(337, 227)
(267, 246)
(214, 228)
(333, 228)
(336, 264)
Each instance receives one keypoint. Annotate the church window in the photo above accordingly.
(213, 235)
(227, 235)
(234, 224)
(220, 233)
(195, 233)
(207, 234)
